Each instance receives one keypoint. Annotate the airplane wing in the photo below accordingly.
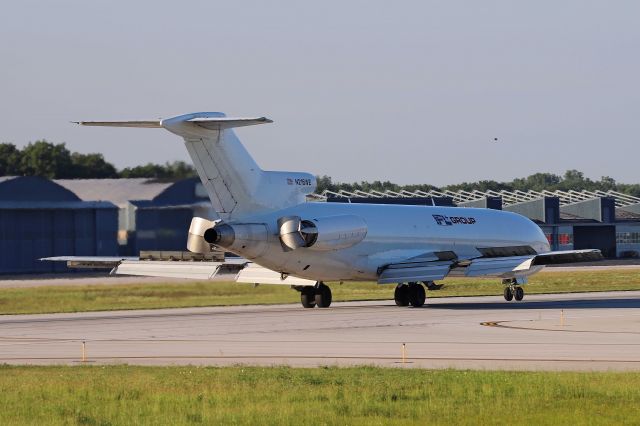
(232, 269)
(504, 266)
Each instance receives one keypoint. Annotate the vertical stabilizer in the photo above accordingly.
(236, 185)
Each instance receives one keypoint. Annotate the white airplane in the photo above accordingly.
(282, 239)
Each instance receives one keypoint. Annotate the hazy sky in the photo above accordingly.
(409, 91)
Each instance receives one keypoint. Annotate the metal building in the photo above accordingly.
(153, 214)
(39, 218)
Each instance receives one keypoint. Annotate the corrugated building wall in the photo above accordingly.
(154, 214)
(39, 218)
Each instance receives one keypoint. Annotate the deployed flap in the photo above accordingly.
(256, 274)
(198, 270)
(168, 269)
(414, 271)
(234, 268)
(502, 265)
(495, 265)
(89, 262)
(565, 256)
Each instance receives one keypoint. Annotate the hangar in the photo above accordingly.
(606, 220)
(152, 214)
(40, 218)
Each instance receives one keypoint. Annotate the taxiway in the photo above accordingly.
(588, 331)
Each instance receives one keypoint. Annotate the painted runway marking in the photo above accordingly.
(501, 324)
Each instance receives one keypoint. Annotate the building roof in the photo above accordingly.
(622, 214)
(33, 189)
(121, 191)
(118, 191)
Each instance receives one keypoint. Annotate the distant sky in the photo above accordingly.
(407, 91)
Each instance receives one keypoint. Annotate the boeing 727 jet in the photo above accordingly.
(264, 218)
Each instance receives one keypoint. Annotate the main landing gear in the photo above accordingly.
(513, 289)
(410, 294)
(318, 295)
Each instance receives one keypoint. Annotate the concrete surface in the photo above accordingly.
(587, 331)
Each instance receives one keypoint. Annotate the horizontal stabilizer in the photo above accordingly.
(149, 124)
(210, 123)
(218, 123)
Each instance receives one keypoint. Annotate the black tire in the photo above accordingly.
(323, 296)
(308, 297)
(401, 295)
(417, 295)
(508, 294)
(519, 294)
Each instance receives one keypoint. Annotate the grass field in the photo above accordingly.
(336, 396)
(165, 295)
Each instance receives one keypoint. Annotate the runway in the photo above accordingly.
(588, 331)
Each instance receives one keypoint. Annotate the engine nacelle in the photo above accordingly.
(250, 239)
(324, 233)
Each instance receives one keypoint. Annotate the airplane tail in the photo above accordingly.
(236, 185)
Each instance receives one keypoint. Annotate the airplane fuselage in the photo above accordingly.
(394, 233)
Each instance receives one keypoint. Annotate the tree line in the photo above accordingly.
(55, 161)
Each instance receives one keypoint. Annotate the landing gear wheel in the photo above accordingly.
(323, 296)
(308, 297)
(417, 295)
(508, 294)
(519, 294)
(401, 295)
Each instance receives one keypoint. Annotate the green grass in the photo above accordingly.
(203, 293)
(116, 395)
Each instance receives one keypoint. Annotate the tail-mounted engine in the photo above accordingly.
(325, 233)
(250, 239)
